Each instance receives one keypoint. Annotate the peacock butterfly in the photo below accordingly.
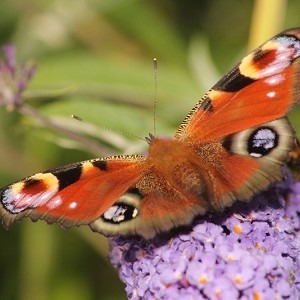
(231, 146)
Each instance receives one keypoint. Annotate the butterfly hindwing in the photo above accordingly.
(156, 206)
(253, 159)
(294, 161)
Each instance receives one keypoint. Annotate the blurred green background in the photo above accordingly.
(94, 59)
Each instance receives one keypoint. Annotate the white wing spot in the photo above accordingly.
(55, 202)
(256, 154)
(282, 57)
(115, 214)
(47, 195)
(73, 205)
(274, 69)
(28, 200)
(18, 196)
(271, 94)
(43, 198)
(135, 213)
(274, 80)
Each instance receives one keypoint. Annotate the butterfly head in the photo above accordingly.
(150, 138)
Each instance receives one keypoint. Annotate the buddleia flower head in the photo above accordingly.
(252, 251)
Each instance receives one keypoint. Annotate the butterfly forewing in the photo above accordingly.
(264, 86)
(71, 195)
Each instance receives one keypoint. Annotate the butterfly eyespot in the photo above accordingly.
(125, 209)
(120, 212)
(122, 216)
(272, 141)
(262, 141)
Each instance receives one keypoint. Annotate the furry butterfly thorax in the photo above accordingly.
(231, 146)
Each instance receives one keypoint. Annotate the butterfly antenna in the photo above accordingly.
(155, 95)
(108, 128)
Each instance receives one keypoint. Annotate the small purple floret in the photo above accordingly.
(250, 252)
(13, 78)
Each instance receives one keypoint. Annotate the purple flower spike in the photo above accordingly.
(13, 78)
(251, 251)
(10, 57)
